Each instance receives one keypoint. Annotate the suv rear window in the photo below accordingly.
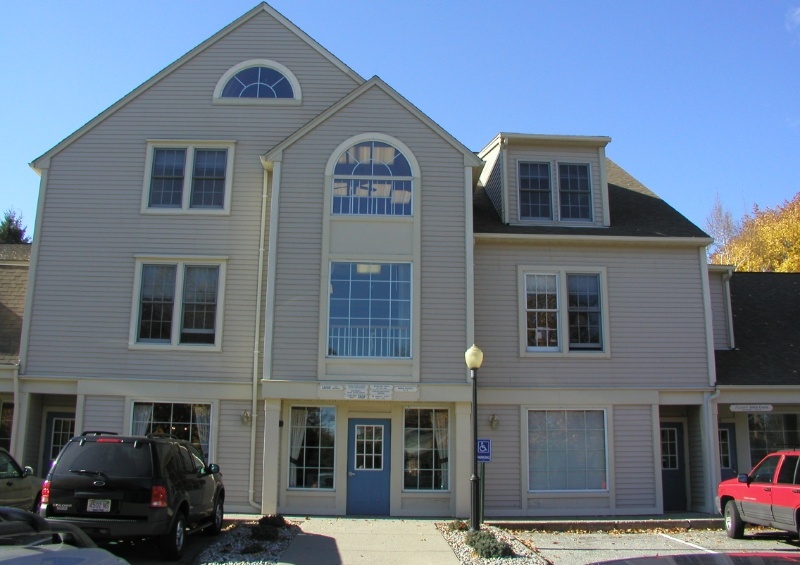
(118, 459)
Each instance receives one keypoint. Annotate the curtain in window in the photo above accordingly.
(142, 414)
(299, 419)
(442, 443)
(202, 417)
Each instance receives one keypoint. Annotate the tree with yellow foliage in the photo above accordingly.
(766, 241)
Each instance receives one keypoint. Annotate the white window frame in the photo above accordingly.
(336, 440)
(296, 90)
(189, 147)
(527, 452)
(213, 425)
(442, 469)
(180, 263)
(563, 350)
(555, 193)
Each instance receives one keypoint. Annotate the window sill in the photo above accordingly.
(256, 101)
(173, 347)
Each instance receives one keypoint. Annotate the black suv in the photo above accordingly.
(116, 487)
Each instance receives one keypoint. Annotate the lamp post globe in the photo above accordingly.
(474, 357)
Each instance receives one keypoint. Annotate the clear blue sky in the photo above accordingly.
(699, 98)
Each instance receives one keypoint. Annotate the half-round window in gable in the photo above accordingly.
(372, 178)
(258, 81)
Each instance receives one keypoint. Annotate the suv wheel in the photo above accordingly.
(172, 543)
(216, 519)
(734, 526)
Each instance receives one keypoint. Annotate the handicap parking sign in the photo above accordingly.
(484, 451)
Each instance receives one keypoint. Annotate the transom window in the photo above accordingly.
(179, 303)
(258, 82)
(311, 447)
(191, 422)
(574, 195)
(426, 448)
(566, 450)
(188, 178)
(369, 310)
(547, 314)
(372, 178)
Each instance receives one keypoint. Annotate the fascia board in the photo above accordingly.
(597, 239)
(43, 160)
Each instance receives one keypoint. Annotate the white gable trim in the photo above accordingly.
(470, 159)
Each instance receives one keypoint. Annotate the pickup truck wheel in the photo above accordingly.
(734, 526)
(216, 519)
(173, 542)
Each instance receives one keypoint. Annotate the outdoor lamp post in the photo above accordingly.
(474, 358)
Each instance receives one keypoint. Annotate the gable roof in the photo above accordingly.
(41, 161)
(375, 82)
(635, 211)
(766, 307)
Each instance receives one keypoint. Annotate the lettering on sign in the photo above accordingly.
(355, 392)
(331, 387)
(751, 407)
(405, 388)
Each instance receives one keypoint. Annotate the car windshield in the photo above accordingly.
(106, 459)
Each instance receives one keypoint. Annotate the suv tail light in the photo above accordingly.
(158, 497)
(46, 492)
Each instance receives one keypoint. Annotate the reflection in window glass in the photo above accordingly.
(426, 449)
(311, 447)
(191, 422)
(771, 432)
(567, 450)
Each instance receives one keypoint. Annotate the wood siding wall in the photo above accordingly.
(655, 312)
(719, 310)
(83, 291)
(298, 308)
(634, 460)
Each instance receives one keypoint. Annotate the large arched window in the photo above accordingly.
(372, 178)
(258, 80)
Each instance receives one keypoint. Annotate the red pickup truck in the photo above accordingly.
(769, 495)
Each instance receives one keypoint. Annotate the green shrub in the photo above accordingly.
(457, 526)
(486, 545)
(275, 520)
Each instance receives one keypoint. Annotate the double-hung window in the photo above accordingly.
(563, 310)
(566, 450)
(369, 310)
(192, 177)
(178, 303)
(536, 194)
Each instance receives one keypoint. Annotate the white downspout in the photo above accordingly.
(256, 342)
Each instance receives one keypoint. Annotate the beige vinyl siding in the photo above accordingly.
(515, 155)
(299, 254)
(505, 477)
(719, 310)
(233, 454)
(655, 312)
(104, 413)
(634, 460)
(492, 178)
(81, 307)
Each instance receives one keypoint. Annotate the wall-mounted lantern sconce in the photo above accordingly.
(245, 417)
(494, 423)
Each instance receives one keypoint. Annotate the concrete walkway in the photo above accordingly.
(368, 541)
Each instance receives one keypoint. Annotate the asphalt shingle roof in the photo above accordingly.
(635, 211)
(766, 329)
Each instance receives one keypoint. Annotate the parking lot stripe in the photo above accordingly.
(700, 547)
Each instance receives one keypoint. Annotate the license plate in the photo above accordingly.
(98, 505)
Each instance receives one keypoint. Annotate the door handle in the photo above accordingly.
(351, 474)
(767, 489)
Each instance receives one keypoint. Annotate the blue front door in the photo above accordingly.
(368, 449)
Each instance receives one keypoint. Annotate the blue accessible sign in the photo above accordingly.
(484, 451)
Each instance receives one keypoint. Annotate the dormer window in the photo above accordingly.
(536, 194)
(258, 81)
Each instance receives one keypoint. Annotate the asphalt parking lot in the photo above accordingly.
(580, 548)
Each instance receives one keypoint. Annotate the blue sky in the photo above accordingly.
(699, 98)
